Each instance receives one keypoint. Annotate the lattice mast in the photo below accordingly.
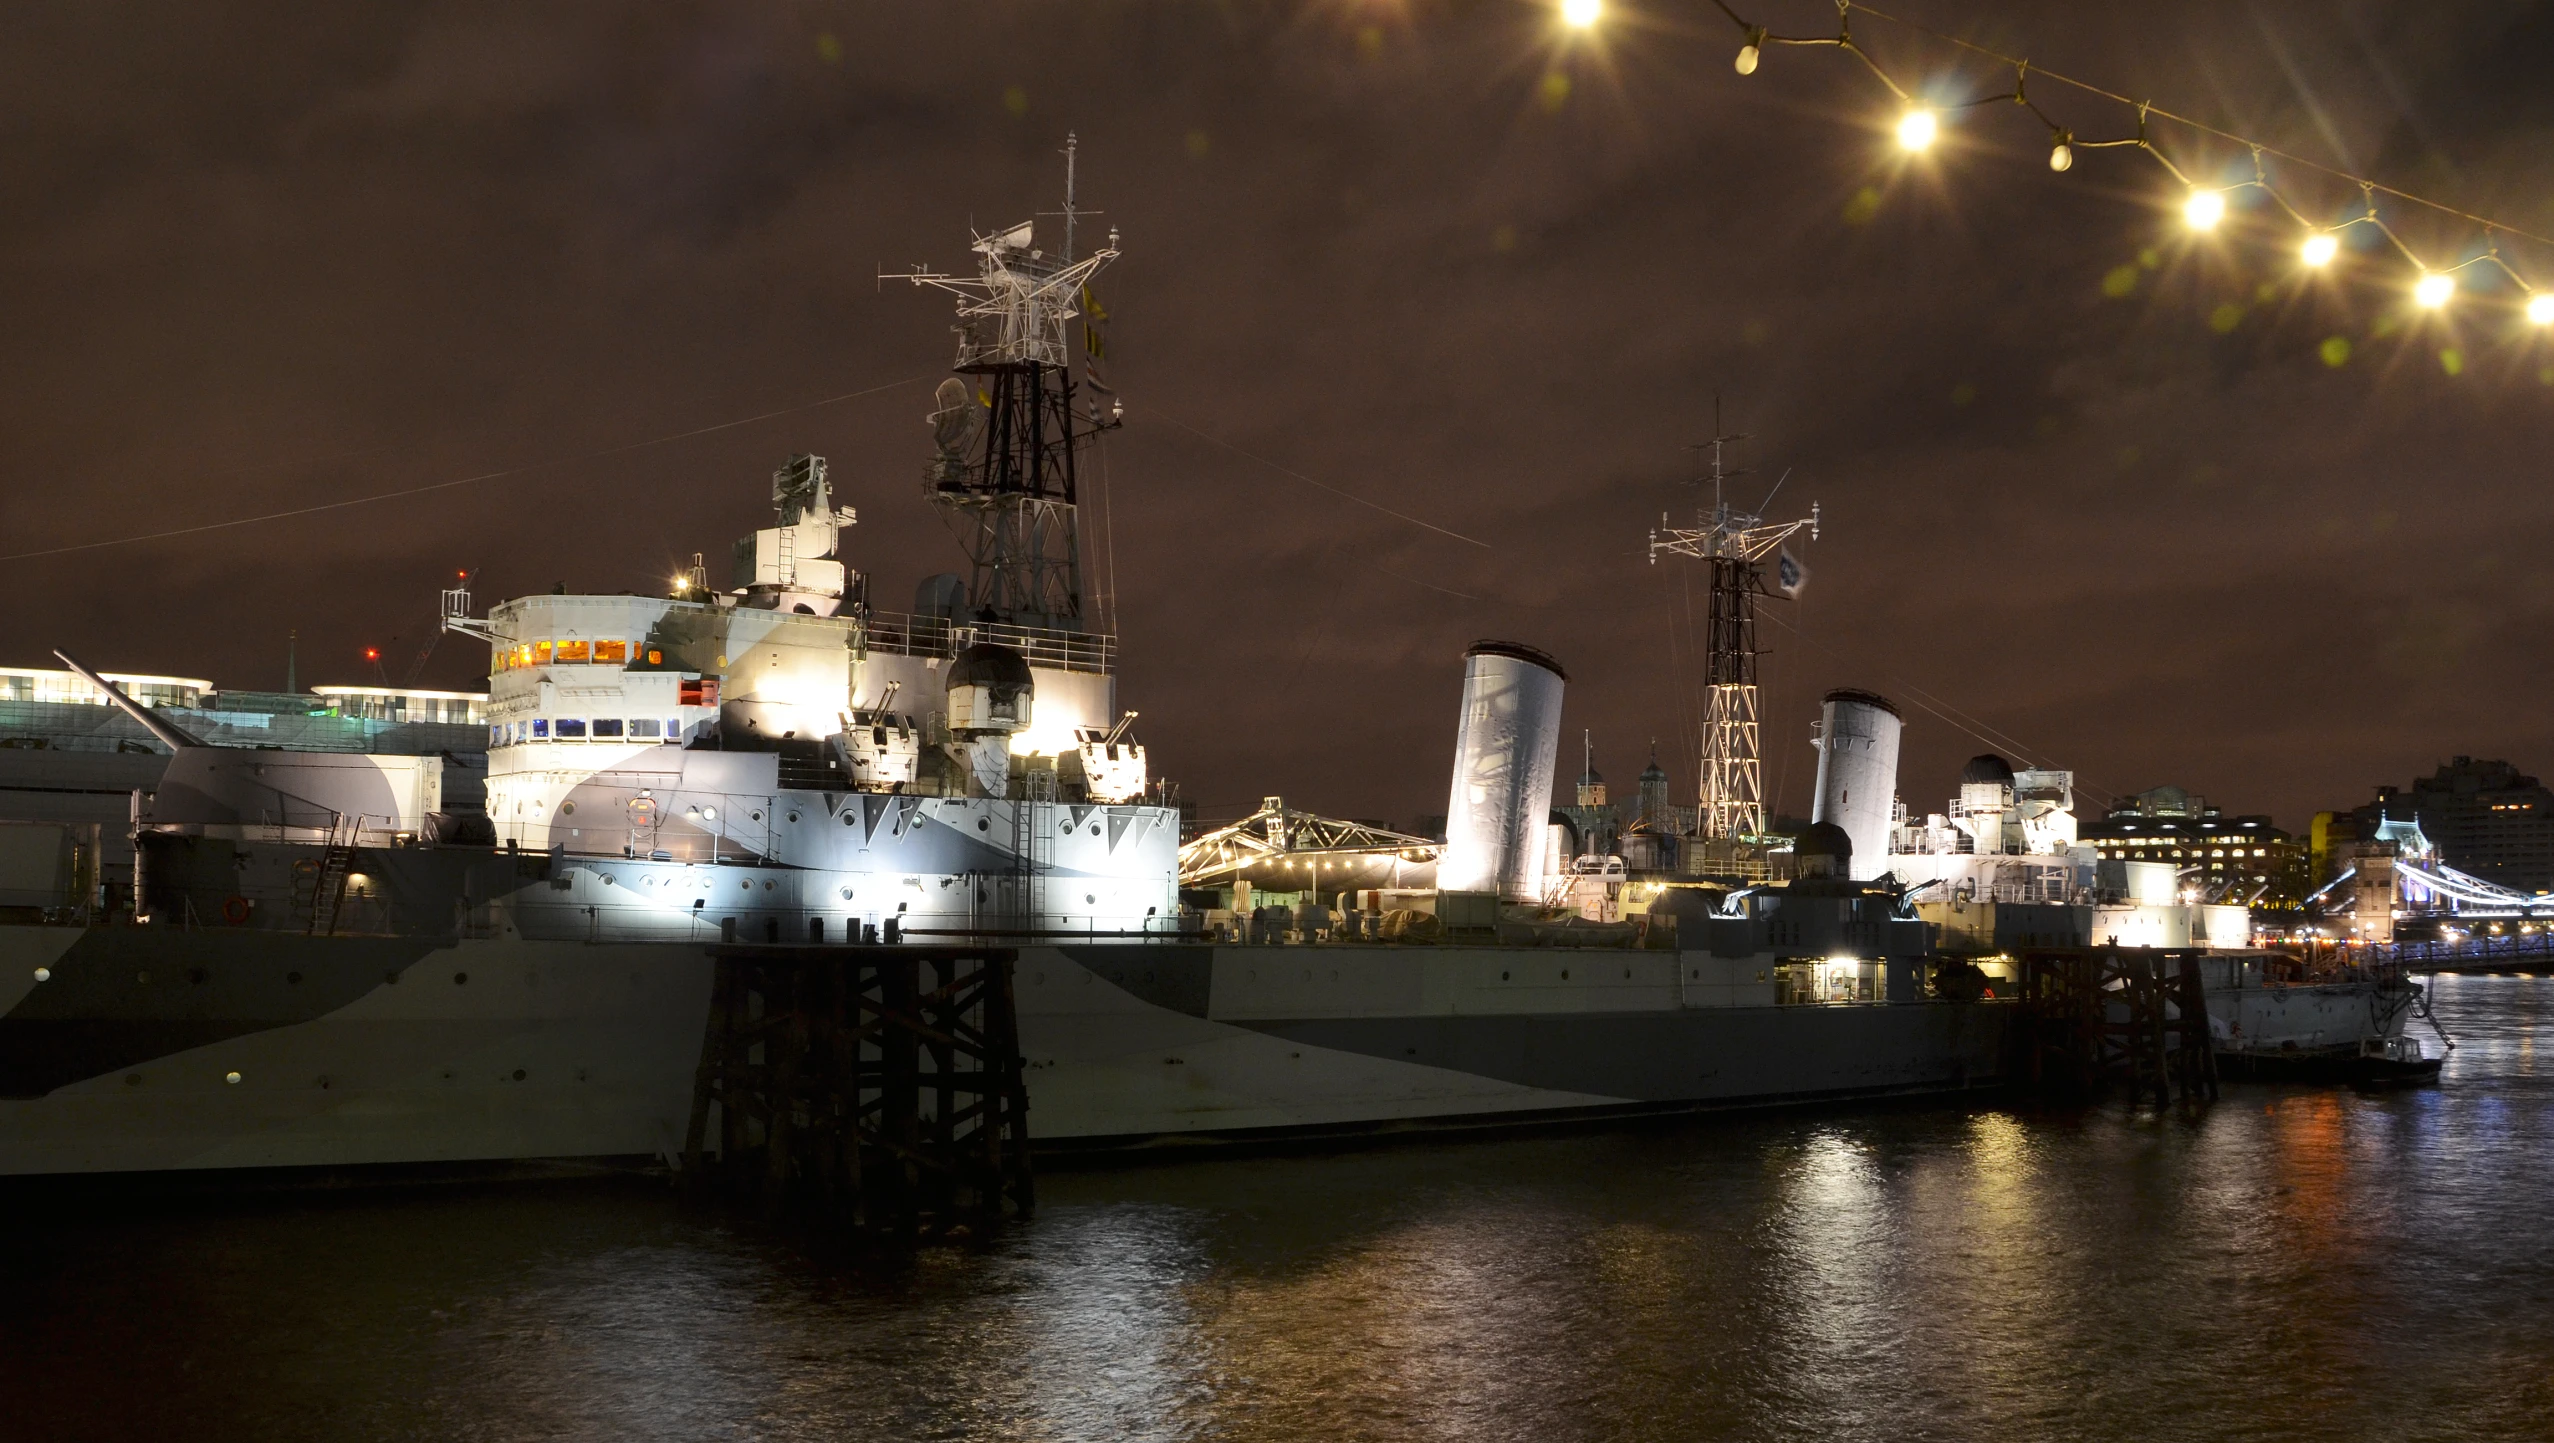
(1004, 423)
(1735, 544)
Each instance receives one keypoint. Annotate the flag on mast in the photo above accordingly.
(1789, 575)
(1095, 345)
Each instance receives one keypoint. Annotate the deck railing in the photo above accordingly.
(906, 634)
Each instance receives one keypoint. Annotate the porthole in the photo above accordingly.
(1503, 977)
(1565, 974)
(1095, 829)
(753, 816)
(846, 894)
(566, 808)
(983, 824)
(1068, 829)
(747, 884)
(793, 816)
(293, 977)
(1090, 899)
(460, 979)
(709, 814)
(850, 819)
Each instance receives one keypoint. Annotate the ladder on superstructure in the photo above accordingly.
(1032, 857)
(336, 863)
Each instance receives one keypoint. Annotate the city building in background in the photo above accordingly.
(2245, 858)
(2486, 818)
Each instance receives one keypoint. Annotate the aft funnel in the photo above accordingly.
(1506, 743)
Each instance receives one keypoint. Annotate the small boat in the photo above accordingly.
(2392, 1062)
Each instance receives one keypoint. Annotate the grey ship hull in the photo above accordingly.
(357, 1051)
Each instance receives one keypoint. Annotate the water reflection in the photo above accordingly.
(2293, 1263)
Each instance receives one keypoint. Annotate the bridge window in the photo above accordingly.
(540, 653)
(612, 653)
(607, 726)
(571, 726)
(572, 652)
(643, 726)
(540, 726)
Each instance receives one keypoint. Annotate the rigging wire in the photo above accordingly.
(1919, 695)
(1108, 538)
(1319, 485)
(523, 470)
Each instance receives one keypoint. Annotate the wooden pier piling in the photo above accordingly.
(2130, 1018)
(874, 1088)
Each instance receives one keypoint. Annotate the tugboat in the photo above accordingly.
(2390, 1062)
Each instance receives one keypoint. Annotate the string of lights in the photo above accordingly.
(2432, 284)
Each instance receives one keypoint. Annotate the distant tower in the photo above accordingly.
(1655, 811)
(1736, 544)
(1004, 423)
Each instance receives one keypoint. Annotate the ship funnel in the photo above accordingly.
(1506, 743)
(1858, 774)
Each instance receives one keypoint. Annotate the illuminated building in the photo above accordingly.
(2486, 818)
(2238, 859)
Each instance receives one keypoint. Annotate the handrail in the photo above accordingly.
(906, 634)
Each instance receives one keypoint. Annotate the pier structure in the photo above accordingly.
(872, 1088)
(2133, 1019)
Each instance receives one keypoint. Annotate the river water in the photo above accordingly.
(2292, 1263)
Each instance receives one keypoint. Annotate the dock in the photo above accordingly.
(873, 1089)
(2101, 1019)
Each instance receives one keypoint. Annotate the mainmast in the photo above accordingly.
(1735, 544)
(1004, 423)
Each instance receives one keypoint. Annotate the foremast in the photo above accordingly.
(1005, 428)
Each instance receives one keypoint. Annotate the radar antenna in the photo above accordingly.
(1003, 428)
(1735, 544)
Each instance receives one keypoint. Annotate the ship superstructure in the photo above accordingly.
(963, 765)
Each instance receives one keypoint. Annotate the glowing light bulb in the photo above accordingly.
(2319, 249)
(2061, 155)
(2433, 289)
(1581, 14)
(1747, 57)
(2540, 309)
(1917, 129)
(2204, 209)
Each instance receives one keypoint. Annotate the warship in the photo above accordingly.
(324, 960)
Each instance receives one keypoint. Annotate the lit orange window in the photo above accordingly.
(612, 653)
(571, 651)
(655, 657)
(522, 656)
(540, 653)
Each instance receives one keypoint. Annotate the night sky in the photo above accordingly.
(1429, 254)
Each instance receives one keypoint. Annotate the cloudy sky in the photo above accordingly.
(2089, 487)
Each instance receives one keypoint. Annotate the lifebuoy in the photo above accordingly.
(235, 910)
